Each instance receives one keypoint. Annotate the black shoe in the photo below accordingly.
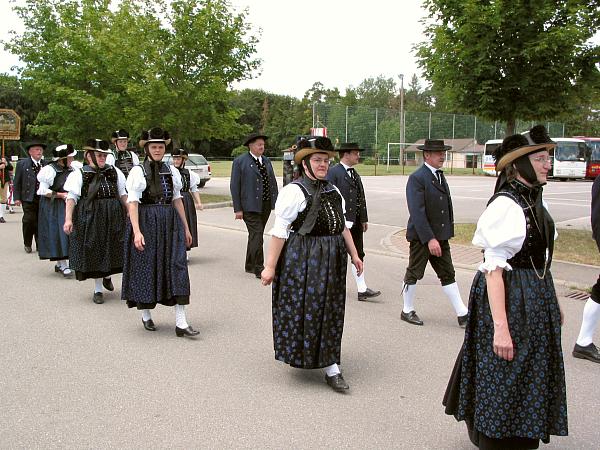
(411, 318)
(149, 325)
(462, 320)
(187, 332)
(369, 293)
(337, 382)
(28, 249)
(589, 352)
(2, 220)
(57, 268)
(98, 298)
(107, 283)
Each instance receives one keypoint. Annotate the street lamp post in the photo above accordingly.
(401, 156)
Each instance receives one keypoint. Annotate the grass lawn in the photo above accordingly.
(212, 198)
(223, 169)
(572, 245)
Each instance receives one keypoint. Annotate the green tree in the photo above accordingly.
(144, 63)
(509, 60)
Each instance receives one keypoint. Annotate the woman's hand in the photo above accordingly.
(68, 227)
(503, 344)
(139, 242)
(188, 238)
(267, 275)
(199, 206)
(358, 264)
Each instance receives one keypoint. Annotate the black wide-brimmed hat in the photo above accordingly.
(310, 145)
(97, 145)
(180, 152)
(35, 144)
(155, 134)
(119, 134)
(517, 145)
(434, 145)
(348, 147)
(254, 136)
(63, 151)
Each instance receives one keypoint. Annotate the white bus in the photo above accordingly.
(568, 159)
(489, 168)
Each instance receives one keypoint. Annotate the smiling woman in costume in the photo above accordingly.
(508, 383)
(306, 262)
(155, 268)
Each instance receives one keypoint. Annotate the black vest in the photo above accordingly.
(330, 219)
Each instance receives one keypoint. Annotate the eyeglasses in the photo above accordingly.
(542, 160)
(320, 161)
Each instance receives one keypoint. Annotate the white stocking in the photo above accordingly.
(180, 321)
(591, 315)
(451, 290)
(408, 293)
(332, 370)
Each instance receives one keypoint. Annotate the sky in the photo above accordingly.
(336, 42)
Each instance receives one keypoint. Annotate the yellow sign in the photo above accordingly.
(10, 125)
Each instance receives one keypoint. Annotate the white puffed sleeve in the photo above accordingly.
(177, 183)
(136, 184)
(500, 232)
(121, 182)
(290, 202)
(76, 165)
(110, 159)
(346, 222)
(194, 181)
(46, 178)
(73, 185)
(135, 159)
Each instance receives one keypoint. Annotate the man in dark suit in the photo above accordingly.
(25, 187)
(254, 192)
(584, 346)
(430, 226)
(348, 181)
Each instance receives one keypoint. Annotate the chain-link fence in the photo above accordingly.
(375, 128)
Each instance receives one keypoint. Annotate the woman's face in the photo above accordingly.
(320, 165)
(100, 159)
(69, 160)
(121, 144)
(177, 161)
(541, 163)
(156, 150)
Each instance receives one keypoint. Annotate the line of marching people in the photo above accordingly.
(114, 214)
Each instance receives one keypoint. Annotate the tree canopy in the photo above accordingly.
(138, 64)
(508, 60)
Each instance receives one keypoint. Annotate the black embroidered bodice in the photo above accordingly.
(124, 162)
(108, 182)
(534, 246)
(166, 183)
(185, 180)
(60, 177)
(330, 220)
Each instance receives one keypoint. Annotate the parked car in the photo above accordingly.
(195, 163)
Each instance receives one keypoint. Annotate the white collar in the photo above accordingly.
(259, 158)
(345, 166)
(433, 169)
(36, 163)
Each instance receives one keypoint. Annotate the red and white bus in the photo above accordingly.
(593, 156)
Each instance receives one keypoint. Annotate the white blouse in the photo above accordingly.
(110, 159)
(136, 184)
(74, 184)
(46, 178)
(194, 181)
(290, 202)
(501, 231)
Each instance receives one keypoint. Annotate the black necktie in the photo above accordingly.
(351, 172)
(440, 176)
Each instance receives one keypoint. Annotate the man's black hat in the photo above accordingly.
(434, 145)
(35, 144)
(254, 136)
(348, 147)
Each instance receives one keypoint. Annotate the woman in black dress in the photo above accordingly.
(95, 218)
(189, 193)
(508, 383)
(155, 268)
(307, 264)
(53, 242)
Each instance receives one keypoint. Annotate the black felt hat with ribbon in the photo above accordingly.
(155, 134)
(313, 144)
(254, 136)
(97, 145)
(517, 145)
(434, 145)
(119, 134)
(63, 151)
(180, 152)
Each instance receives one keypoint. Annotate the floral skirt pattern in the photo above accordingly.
(525, 397)
(191, 216)
(96, 243)
(159, 273)
(53, 243)
(309, 298)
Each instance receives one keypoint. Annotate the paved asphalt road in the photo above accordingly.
(78, 375)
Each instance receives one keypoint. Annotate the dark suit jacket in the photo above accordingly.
(596, 211)
(25, 180)
(245, 184)
(429, 206)
(339, 177)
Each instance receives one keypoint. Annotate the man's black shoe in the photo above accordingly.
(149, 325)
(369, 293)
(98, 298)
(411, 318)
(337, 382)
(589, 352)
(28, 249)
(462, 320)
(108, 284)
(186, 332)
